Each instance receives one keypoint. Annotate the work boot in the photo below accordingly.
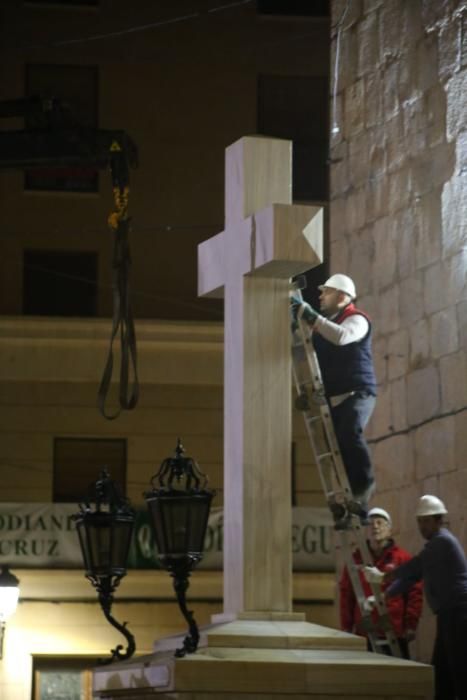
(360, 508)
(359, 505)
(344, 523)
(341, 515)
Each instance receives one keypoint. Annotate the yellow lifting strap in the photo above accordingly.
(122, 321)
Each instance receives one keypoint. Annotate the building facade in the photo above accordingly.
(184, 81)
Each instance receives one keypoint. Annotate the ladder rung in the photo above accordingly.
(381, 642)
(341, 493)
(324, 455)
(313, 419)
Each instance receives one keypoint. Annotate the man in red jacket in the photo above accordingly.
(404, 610)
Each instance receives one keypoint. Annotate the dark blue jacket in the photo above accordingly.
(443, 567)
(346, 367)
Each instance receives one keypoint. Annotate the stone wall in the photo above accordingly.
(398, 226)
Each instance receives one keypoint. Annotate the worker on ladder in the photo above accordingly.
(404, 610)
(341, 336)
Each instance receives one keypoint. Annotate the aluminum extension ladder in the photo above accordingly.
(339, 497)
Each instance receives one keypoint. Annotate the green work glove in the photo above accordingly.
(302, 311)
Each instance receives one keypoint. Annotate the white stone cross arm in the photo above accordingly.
(264, 233)
(266, 241)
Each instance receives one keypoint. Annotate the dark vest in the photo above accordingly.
(346, 367)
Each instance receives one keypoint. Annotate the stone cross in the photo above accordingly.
(266, 241)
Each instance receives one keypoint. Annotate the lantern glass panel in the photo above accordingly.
(99, 538)
(198, 517)
(179, 522)
(121, 540)
(168, 524)
(155, 512)
(105, 540)
(176, 517)
(83, 543)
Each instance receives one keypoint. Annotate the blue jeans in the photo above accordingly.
(350, 418)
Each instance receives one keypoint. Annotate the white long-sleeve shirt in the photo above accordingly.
(352, 329)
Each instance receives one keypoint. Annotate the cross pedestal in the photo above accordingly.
(266, 241)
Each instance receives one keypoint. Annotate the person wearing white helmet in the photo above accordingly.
(341, 336)
(442, 565)
(404, 610)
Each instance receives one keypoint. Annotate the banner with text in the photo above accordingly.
(34, 535)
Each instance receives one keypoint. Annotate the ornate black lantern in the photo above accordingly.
(105, 533)
(179, 506)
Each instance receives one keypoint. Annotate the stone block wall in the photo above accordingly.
(398, 222)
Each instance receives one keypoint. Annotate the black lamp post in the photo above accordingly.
(179, 505)
(105, 533)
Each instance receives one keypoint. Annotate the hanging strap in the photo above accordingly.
(122, 320)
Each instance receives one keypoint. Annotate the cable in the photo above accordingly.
(335, 128)
(220, 8)
(136, 29)
(122, 32)
(147, 295)
(30, 467)
(396, 433)
(136, 229)
(258, 46)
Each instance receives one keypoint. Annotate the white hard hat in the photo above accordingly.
(341, 282)
(380, 513)
(430, 505)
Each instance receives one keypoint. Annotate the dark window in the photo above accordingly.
(294, 8)
(79, 461)
(56, 679)
(75, 89)
(59, 283)
(296, 108)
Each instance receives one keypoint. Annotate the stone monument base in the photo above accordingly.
(256, 659)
